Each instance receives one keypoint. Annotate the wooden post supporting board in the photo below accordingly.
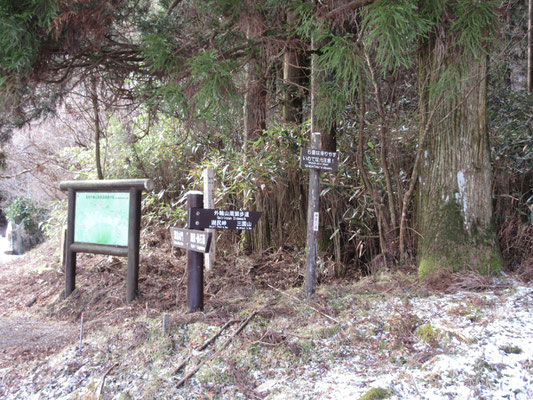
(134, 235)
(209, 202)
(316, 161)
(195, 259)
(197, 242)
(312, 221)
(70, 262)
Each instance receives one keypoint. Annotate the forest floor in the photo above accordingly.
(386, 335)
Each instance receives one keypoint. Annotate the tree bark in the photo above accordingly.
(454, 204)
(97, 128)
(255, 96)
(255, 108)
(530, 48)
(292, 76)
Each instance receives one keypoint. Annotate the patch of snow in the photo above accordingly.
(477, 366)
(461, 183)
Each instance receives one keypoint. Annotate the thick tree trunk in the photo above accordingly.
(328, 142)
(293, 78)
(255, 96)
(454, 204)
(254, 103)
(255, 109)
(530, 47)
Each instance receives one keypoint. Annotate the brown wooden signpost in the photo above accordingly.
(197, 242)
(315, 160)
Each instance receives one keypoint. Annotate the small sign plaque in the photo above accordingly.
(191, 240)
(315, 222)
(319, 159)
(206, 218)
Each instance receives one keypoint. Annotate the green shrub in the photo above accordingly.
(24, 211)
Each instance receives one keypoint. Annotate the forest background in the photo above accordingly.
(426, 101)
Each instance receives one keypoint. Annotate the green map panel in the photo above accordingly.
(102, 218)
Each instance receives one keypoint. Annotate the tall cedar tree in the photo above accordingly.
(454, 196)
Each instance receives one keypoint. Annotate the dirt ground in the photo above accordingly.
(25, 334)
(36, 321)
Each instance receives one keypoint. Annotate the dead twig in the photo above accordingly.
(100, 392)
(182, 364)
(216, 353)
(205, 344)
(308, 305)
(216, 335)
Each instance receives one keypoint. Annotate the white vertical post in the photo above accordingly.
(209, 202)
(312, 221)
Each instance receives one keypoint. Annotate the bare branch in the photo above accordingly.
(26, 171)
(352, 5)
(172, 6)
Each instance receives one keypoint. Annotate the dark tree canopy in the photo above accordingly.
(233, 72)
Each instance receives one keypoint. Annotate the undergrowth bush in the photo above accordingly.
(23, 211)
(270, 179)
(511, 127)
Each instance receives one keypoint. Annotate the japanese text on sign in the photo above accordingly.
(319, 159)
(224, 219)
(191, 240)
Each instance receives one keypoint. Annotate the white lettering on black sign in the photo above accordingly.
(319, 159)
(204, 218)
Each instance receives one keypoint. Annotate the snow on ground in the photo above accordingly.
(484, 352)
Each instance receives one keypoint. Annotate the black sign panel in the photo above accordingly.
(191, 240)
(319, 159)
(206, 218)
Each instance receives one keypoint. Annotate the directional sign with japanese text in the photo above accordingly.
(191, 240)
(319, 159)
(206, 218)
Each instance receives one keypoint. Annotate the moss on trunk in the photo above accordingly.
(448, 245)
(454, 191)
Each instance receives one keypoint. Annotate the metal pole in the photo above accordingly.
(312, 221)
(195, 261)
(133, 245)
(81, 333)
(70, 264)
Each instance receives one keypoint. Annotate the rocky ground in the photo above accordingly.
(385, 336)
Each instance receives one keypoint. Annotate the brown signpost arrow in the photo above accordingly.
(206, 218)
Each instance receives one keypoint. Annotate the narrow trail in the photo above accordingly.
(25, 334)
